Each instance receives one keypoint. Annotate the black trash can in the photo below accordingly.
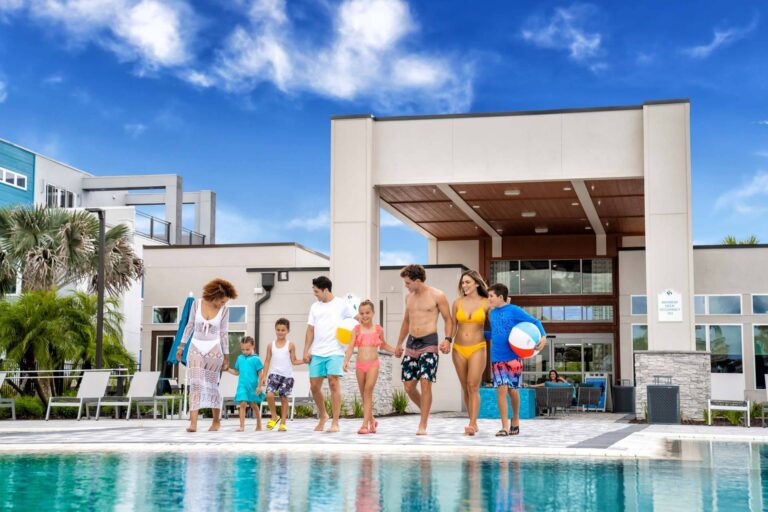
(624, 399)
(663, 404)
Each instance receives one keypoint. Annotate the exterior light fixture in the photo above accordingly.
(499, 230)
(541, 229)
(282, 275)
(512, 192)
(462, 191)
(567, 189)
(574, 204)
(475, 206)
(588, 228)
(528, 215)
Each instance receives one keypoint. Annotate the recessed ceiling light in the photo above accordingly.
(593, 188)
(599, 202)
(567, 189)
(462, 191)
(512, 192)
(587, 227)
(475, 206)
(450, 205)
(574, 204)
(528, 214)
(541, 229)
(475, 227)
(499, 230)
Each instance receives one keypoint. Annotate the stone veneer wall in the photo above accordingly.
(382, 393)
(689, 370)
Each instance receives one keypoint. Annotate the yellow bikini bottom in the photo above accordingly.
(466, 351)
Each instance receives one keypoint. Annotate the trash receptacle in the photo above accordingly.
(624, 399)
(663, 402)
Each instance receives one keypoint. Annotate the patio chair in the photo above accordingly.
(93, 387)
(7, 403)
(541, 400)
(588, 396)
(142, 391)
(300, 392)
(559, 398)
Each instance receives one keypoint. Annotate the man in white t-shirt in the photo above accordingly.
(323, 351)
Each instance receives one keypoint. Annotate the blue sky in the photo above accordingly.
(236, 96)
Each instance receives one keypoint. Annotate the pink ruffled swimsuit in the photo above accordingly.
(367, 339)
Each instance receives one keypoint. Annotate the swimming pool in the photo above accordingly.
(709, 476)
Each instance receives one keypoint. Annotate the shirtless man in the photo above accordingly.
(422, 306)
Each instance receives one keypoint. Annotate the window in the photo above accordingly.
(162, 315)
(724, 343)
(56, 197)
(506, 273)
(639, 337)
(717, 304)
(534, 277)
(761, 354)
(639, 305)
(13, 179)
(233, 340)
(566, 277)
(597, 276)
(571, 313)
(760, 304)
(237, 314)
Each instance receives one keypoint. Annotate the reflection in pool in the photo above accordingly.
(710, 476)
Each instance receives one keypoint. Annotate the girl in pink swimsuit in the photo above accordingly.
(369, 339)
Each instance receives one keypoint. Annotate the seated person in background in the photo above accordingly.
(552, 377)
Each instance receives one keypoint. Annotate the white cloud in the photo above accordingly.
(387, 220)
(566, 30)
(3, 91)
(748, 199)
(365, 57)
(317, 222)
(134, 129)
(762, 153)
(763, 122)
(54, 79)
(396, 258)
(154, 33)
(233, 227)
(721, 37)
(644, 59)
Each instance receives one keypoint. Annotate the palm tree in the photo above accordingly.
(731, 240)
(42, 331)
(54, 248)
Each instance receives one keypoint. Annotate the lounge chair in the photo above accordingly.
(93, 387)
(300, 392)
(559, 398)
(588, 397)
(142, 391)
(7, 403)
(227, 390)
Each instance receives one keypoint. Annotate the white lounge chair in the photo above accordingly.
(142, 391)
(93, 387)
(227, 390)
(300, 392)
(7, 403)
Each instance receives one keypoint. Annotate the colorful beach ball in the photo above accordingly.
(523, 339)
(344, 330)
(353, 301)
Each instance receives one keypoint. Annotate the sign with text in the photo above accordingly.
(670, 306)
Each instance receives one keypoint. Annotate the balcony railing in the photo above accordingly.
(152, 227)
(189, 237)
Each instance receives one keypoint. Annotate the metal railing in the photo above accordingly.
(152, 227)
(189, 237)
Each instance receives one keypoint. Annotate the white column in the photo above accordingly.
(174, 200)
(668, 239)
(354, 209)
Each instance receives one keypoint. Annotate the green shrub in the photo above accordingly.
(329, 407)
(28, 408)
(733, 417)
(756, 410)
(304, 411)
(357, 408)
(399, 402)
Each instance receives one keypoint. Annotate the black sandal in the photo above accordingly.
(514, 431)
(502, 433)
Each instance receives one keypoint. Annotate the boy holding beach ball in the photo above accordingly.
(513, 335)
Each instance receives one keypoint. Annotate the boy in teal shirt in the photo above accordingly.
(248, 367)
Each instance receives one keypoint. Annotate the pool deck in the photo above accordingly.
(577, 435)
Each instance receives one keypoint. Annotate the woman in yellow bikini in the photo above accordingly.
(469, 348)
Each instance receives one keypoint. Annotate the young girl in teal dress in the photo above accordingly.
(248, 367)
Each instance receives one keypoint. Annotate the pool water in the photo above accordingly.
(709, 476)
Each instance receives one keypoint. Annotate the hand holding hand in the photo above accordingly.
(179, 354)
(346, 366)
(445, 347)
(399, 351)
(225, 365)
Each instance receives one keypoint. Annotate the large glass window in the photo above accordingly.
(639, 305)
(701, 338)
(760, 304)
(598, 313)
(598, 357)
(534, 277)
(237, 314)
(566, 277)
(761, 354)
(165, 315)
(13, 179)
(639, 337)
(725, 346)
(233, 340)
(568, 357)
(700, 304)
(724, 304)
(507, 273)
(597, 276)
(57, 197)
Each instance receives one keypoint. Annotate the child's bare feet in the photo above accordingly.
(191, 429)
(241, 429)
(215, 426)
(321, 424)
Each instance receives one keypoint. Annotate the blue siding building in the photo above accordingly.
(17, 175)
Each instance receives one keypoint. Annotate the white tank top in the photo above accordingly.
(281, 360)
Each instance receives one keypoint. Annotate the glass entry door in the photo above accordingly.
(572, 358)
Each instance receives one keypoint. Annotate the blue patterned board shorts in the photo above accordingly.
(279, 385)
(422, 367)
(507, 373)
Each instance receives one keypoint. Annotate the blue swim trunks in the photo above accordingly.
(323, 366)
(507, 373)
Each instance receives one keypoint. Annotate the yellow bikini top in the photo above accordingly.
(477, 316)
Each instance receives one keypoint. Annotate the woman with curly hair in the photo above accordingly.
(208, 326)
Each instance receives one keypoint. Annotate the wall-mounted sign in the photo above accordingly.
(670, 306)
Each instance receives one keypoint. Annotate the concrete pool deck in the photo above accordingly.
(577, 435)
